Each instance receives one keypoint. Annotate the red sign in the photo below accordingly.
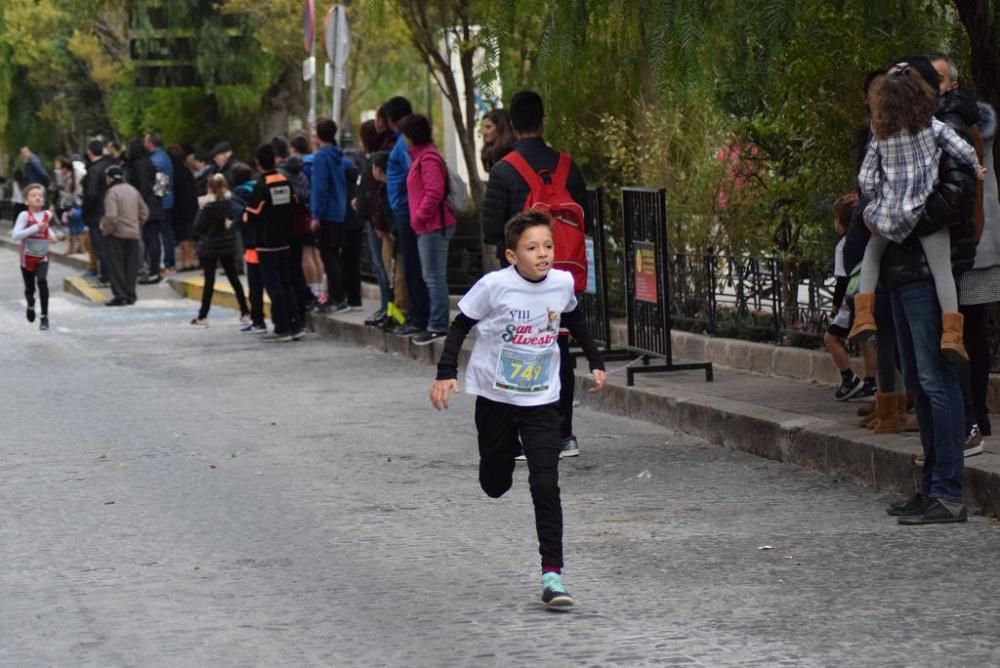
(309, 9)
(645, 273)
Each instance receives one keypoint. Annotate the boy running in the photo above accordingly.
(32, 229)
(514, 373)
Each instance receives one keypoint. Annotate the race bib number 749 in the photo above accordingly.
(520, 371)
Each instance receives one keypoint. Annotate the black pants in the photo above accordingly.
(503, 430)
(151, 240)
(97, 243)
(123, 265)
(567, 383)
(976, 376)
(39, 275)
(276, 274)
(229, 266)
(256, 284)
(340, 250)
(303, 293)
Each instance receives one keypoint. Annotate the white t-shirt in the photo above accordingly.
(515, 359)
(838, 258)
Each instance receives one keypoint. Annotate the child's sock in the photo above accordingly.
(847, 375)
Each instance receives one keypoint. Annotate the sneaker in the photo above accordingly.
(30, 314)
(937, 512)
(848, 389)
(912, 506)
(554, 595)
(168, 272)
(117, 301)
(376, 319)
(868, 389)
(521, 457)
(254, 329)
(245, 320)
(200, 322)
(274, 337)
(299, 335)
(44, 324)
(570, 448)
(150, 280)
(974, 442)
(427, 338)
(408, 330)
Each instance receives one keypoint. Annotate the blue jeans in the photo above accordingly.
(407, 244)
(433, 247)
(381, 277)
(935, 385)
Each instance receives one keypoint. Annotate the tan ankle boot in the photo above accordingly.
(889, 417)
(864, 318)
(868, 414)
(952, 344)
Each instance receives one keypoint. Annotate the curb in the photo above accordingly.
(880, 462)
(79, 286)
(222, 295)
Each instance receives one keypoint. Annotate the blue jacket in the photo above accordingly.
(328, 187)
(395, 174)
(35, 172)
(163, 163)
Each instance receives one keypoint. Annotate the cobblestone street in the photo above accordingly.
(182, 497)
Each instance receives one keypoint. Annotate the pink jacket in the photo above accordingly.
(427, 190)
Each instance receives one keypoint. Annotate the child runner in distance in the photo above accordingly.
(898, 173)
(32, 229)
(514, 373)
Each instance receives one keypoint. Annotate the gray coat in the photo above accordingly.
(125, 212)
(988, 250)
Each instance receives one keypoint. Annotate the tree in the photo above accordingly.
(981, 19)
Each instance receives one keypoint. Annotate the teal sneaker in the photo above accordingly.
(554, 595)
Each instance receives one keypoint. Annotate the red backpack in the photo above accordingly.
(549, 194)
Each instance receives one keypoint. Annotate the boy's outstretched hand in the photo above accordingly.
(440, 391)
(599, 378)
(981, 173)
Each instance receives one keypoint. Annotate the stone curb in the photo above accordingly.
(222, 295)
(808, 442)
(79, 286)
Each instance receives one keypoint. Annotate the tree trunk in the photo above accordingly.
(982, 24)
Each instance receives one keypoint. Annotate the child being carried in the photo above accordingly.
(898, 174)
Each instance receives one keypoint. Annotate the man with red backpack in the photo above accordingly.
(512, 188)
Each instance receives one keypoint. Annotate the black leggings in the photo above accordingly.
(976, 375)
(41, 276)
(505, 429)
(229, 266)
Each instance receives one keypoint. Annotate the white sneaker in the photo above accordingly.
(570, 448)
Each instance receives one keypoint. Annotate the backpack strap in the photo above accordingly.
(561, 177)
(530, 176)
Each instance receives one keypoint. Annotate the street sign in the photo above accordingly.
(337, 41)
(309, 11)
(309, 68)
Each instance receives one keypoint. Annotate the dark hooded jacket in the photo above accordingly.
(293, 169)
(215, 237)
(951, 205)
(141, 175)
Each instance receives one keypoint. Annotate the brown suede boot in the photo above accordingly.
(864, 318)
(888, 413)
(952, 345)
(869, 414)
(907, 421)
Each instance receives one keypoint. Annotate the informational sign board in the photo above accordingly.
(645, 272)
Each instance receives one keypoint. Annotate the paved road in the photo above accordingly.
(180, 497)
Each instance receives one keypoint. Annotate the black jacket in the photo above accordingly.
(270, 211)
(185, 200)
(215, 237)
(506, 191)
(94, 187)
(141, 175)
(952, 205)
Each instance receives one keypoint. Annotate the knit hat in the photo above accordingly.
(115, 173)
(221, 147)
